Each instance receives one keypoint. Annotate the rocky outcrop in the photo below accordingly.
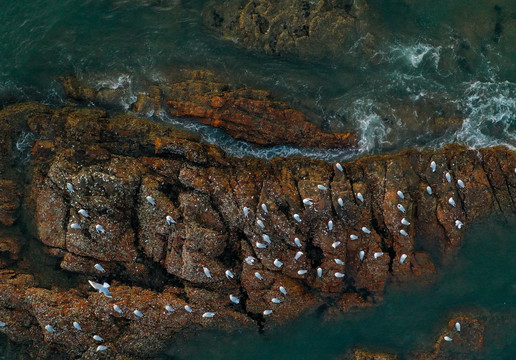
(167, 216)
(243, 113)
(287, 26)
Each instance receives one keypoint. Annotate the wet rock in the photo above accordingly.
(287, 26)
(365, 355)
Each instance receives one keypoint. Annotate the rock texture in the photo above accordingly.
(287, 26)
(243, 113)
(130, 174)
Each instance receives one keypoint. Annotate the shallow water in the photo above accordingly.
(426, 59)
(481, 281)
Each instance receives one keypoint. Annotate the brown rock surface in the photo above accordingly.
(130, 174)
(243, 113)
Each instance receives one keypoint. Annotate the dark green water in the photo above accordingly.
(427, 58)
(480, 282)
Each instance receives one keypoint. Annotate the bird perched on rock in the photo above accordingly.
(457, 326)
(75, 226)
(447, 338)
(429, 190)
(360, 197)
(101, 348)
(338, 261)
(97, 338)
(459, 224)
(259, 245)
(319, 272)
(361, 255)
(403, 257)
(77, 326)
(340, 201)
(308, 201)
(448, 177)
(266, 238)
(322, 187)
(188, 308)
(276, 300)
(405, 222)
(302, 272)
(278, 263)
(250, 260)
(70, 188)
(117, 308)
(353, 237)
(339, 275)
(403, 232)
(461, 183)
(99, 267)
(433, 166)
(267, 312)
(246, 211)
(229, 274)
(335, 244)
(100, 229)
(208, 314)
(297, 217)
(378, 254)
(169, 308)
(260, 223)
(264, 208)
(400, 194)
(206, 271)
(283, 290)
(366, 230)
(84, 213)
(401, 208)
(297, 242)
(298, 255)
(339, 167)
(151, 200)
(451, 202)
(330, 225)
(234, 299)
(258, 276)
(138, 313)
(170, 220)
(49, 328)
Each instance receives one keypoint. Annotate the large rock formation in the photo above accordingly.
(243, 113)
(130, 174)
(287, 26)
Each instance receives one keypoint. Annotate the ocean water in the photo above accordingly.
(412, 62)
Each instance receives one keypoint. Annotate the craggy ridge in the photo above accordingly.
(114, 164)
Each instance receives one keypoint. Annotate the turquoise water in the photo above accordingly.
(481, 282)
(426, 59)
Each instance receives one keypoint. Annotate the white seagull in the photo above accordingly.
(322, 187)
(360, 197)
(75, 226)
(283, 290)
(234, 299)
(319, 272)
(188, 308)
(70, 188)
(297, 242)
(138, 313)
(459, 224)
(100, 229)
(278, 263)
(170, 220)
(298, 255)
(378, 254)
(340, 201)
(77, 326)
(335, 244)
(206, 271)
(117, 308)
(451, 202)
(169, 308)
(339, 275)
(361, 255)
(302, 272)
(448, 177)
(353, 237)
(49, 328)
(151, 200)
(403, 232)
(229, 274)
(457, 326)
(97, 338)
(429, 190)
(84, 213)
(330, 225)
(267, 312)
(461, 183)
(403, 257)
(208, 314)
(339, 167)
(401, 208)
(264, 208)
(101, 348)
(258, 276)
(266, 238)
(297, 217)
(99, 267)
(259, 245)
(405, 222)
(102, 288)
(308, 201)
(433, 166)
(366, 230)
(260, 223)
(246, 211)
(400, 194)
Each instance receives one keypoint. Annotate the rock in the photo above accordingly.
(365, 355)
(9, 201)
(287, 26)
(129, 174)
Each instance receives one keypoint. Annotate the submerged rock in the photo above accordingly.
(116, 164)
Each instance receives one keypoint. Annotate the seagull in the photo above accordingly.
(378, 254)
(260, 223)
(75, 226)
(266, 238)
(84, 213)
(461, 183)
(451, 202)
(278, 263)
(459, 224)
(99, 267)
(70, 188)
(49, 328)
(330, 225)
(97, 338)
(100, 229)
(138, 313)
(250, 260)
(308, 201)
(403, 257)
(340, 201)
(401, 208)
(297, 217)
(169, 308)
(447, 338)
(188, 308)
(2, 324)
(302, 272)
(361, 255)
(405, 222)
(151, 200)
(429, 190)
(353, 237)
(457, 326)
(448, 177)
(246, 211)
(360, 197)
(102, 288)
(206, 272)
(335, 244)
(403, 232)
(275, 300)
(283, 290)
(339, 275)
(366, 230)
(432, 166)
(258, 276)
(297, 242)
(229, 274)
(264, 208)
(208, 314)
(338, 261)
(170, 220)
(259, 245)
(339, 167)
(77, 326)
(267, 312)
(101, 348)
(117, 308)
(319, 272)
(322, 187)
(400, 194)
(234, 299)
(298, 255)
